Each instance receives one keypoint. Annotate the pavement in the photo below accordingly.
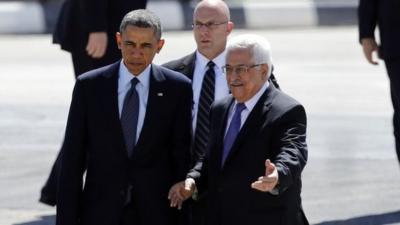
(352, 176)
(35, 17)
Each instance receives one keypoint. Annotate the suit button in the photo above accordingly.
(219, 189)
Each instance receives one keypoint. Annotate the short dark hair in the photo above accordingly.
(142, 18)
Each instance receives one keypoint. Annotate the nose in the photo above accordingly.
(203, 28)
(136, 52)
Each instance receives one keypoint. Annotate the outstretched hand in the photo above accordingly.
(267, 182)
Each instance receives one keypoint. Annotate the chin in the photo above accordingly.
(135, 70)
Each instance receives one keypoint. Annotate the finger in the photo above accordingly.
(261, 186)
(90, 47)
(267, 179)
(171, 203)
(96, 52)
(99, 52)
(269, 167)
(171, 199)
(89, 50)
(369, 55)
(374, 62)
(102, 51)
(174, 201)
(169, 194)
(258, 186)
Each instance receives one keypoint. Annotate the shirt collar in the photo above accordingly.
(202, 61)
(253, 100)
(125, 76)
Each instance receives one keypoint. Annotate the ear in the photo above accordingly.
(230, 27)
(264, 71)
(160, 44)
(118, 38)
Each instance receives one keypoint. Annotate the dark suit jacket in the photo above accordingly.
(78, 18)
(275, 129)
(94, 137)
(385, 14)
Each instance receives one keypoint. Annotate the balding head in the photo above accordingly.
(211, 27)
(213, 5)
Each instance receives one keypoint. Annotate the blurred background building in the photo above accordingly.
(39, 16)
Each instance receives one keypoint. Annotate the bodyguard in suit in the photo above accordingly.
(211, 28)
(384, 14)
(86, 29)
(257, 147)
(129, 124)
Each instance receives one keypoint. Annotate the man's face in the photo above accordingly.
(211, 30)
(138, 47)
(244, 78)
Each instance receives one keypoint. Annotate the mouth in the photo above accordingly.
(236, 85)
(205, 41)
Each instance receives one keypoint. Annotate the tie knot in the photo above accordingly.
(210, 64)
(240, 107)
(134, 81)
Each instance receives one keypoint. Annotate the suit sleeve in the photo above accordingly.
(367, 18)
(73, 160)
(200, 173)
(182, 134)
(290, 143)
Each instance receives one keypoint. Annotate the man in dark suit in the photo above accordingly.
(211, 28)
(86, 28)
(385, 14)
(129, 125)
(257, 131)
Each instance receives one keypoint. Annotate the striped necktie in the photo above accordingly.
(205, 100)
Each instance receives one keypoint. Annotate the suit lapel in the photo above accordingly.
(187, 66)
(253, 121)
(222, 119)
(110, 96)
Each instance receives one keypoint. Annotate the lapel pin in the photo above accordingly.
(160, 94)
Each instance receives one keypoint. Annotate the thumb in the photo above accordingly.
(269, 167)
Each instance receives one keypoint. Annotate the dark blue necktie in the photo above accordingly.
(205, 100)
(129, 116)
(233, 130)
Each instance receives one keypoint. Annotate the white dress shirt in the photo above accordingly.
(221, 86)
(142, 88)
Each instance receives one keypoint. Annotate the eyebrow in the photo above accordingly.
(134, 43)
(204, 22)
